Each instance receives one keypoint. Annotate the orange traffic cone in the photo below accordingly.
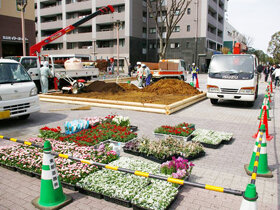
(197, 84)
(271, 89)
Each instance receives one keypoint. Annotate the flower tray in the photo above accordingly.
(90, 193)
(135, 207)
(212, 146)
(132, 152)
(229, 141)
(25, 172)
(11, 168)
(133, 128)
(153, 158)
(118, 201)
(192, 157)
(185, 138)
(68, 186)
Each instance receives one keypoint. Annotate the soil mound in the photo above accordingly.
(100, 86)
(171, 86)
(129, 87)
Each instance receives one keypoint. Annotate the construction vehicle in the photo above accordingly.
(32, 63)
(170, 68)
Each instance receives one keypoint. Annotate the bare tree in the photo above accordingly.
(166, 19)
(245, 39)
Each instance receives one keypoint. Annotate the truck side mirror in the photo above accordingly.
(260, 68)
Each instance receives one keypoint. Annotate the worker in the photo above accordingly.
(276, 73)
(139, 74)
(147, 73)
(194, 71)
(45, 72)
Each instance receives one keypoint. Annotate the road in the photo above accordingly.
(221, 167)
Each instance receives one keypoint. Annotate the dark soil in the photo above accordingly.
(100, 86)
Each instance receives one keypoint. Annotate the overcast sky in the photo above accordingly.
(259, 19)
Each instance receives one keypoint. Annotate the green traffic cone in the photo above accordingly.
(250, 197)
(51, 195)
(261, 156)
(191, 83)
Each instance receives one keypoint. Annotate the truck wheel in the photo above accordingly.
(214, 101)
(24, 117)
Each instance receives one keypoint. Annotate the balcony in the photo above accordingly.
(212, 20)
(85, 5)
(79, 37)
(51, 10)
(107, 2)
(51, 25)
(74, 20)
(106, 35)
(111, 50)
(110, 18)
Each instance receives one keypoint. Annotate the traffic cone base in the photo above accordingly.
(68, 199)
(268, 175)
(250, 198)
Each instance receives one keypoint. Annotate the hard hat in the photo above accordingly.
(46, 64)
(143, 65)
(193, 64)
(139, 63)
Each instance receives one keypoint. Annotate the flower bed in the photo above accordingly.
(29, 159)
(123, 188)
(181, 130)
(210, 138)
(162, 150)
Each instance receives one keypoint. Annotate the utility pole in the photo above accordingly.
(196, 34)
(21, 4)
(117, 25)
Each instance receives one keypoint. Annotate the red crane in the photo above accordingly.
(36, 49)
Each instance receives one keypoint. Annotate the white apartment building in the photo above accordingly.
(198, 35)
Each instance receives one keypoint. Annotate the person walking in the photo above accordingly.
(140, 73)
(45, 72)
(266, 73)
(148, 74)
(276, 73)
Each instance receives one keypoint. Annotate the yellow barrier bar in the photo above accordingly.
(63, 156)
(28, 143)
(175, 181)
(1, 137)
(254, 175)
(112, 167)
(86, 162)
(214, 188)
(12, 139)
(140, 173)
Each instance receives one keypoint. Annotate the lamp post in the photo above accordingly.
(21, 4)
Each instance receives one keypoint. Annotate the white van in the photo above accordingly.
(233, 77)
(18, 93)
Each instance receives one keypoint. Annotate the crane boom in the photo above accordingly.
(36, 49)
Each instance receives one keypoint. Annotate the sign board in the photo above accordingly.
(12, 38)
(20, 3)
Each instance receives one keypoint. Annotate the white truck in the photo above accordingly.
(18, 93)
(32, 66)
(169, 68)
(233, 77)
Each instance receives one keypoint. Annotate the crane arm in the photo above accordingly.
(36, 49)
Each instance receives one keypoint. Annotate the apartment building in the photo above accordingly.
(197, 36)
(10, 28)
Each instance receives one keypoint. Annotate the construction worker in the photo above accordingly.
(45, 72)
(194, 71)
(147, 73)
(140, 73)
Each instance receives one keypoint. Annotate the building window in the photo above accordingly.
(177, 29)
(152, 30)
(188, 28)
(189, 11)
(174, 45)
(187, 44)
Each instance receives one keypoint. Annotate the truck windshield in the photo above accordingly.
(13, 73)
(238, 67)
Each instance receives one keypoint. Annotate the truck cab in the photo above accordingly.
(18, 93)
(233, 77)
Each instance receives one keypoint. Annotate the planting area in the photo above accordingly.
(164, 92)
